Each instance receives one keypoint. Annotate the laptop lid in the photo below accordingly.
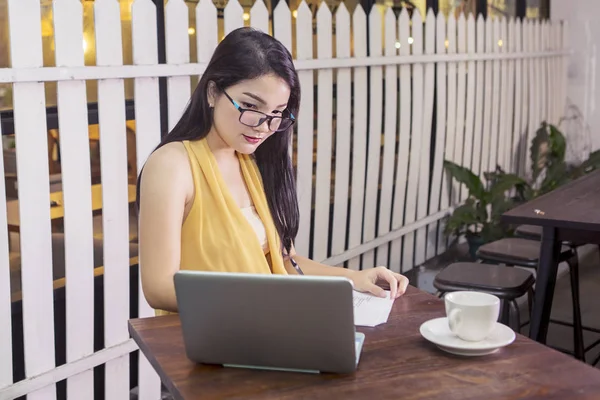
(268, 321)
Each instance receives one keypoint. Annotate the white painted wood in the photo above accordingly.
(77, 198)
(459, 134)
(206, 30)
(233, 15)
(374, 136)
(415, 145)
(537, 82)
(528, 45)
(479, 97)
(304, 179)
(259, 17)
(509, 105)
(324, 139)
(342, 135)
(405, 111)
(54, 74)
(147, 113)
(487, 102)
(29, 385)
(389, 145)
(525, 74)
(514, 31)
(447, 183)
(6, 366)
(504, 139)
(543, 72)
(556, 69)
(470, 108)
(359, 136)
(115, 203)
(34, 208)
(563, 74)
(178, 52)
(424, 169)
(283, 25)
(496, 99)
(388, 237)
(434, 231)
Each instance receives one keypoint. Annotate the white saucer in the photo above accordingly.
(438, 332)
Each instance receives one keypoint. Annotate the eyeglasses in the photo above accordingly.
(254, 118)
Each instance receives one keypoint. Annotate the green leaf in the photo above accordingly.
(539, 150)
(592, 163)
(503, 183)
(558, 144)
(466, 177)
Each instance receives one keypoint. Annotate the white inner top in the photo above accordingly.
(257, 224)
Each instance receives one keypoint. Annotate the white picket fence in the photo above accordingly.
(486, 84)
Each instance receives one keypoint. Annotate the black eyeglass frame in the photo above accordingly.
(266, 117)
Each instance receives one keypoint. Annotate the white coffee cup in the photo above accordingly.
(472, 315)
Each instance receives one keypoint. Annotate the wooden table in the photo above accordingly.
(396, 362)
(58, 212)
(569, 213)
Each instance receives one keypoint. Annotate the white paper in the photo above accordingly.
(370, 310)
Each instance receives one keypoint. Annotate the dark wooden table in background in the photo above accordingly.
(569, 213)
(396, 362)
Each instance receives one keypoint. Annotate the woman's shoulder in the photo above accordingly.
(168, 164)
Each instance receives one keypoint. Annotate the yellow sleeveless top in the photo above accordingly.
(216, 235)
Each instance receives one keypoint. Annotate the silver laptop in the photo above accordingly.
(292, 323)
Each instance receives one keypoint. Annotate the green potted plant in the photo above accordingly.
(549, 170)
(478, 219)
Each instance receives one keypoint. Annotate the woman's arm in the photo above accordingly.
(364, 281)
(166, 187)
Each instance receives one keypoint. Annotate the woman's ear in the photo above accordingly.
(211, 94)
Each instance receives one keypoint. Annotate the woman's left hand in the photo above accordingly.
(366, 281)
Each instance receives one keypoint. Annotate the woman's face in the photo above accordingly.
(268, 94)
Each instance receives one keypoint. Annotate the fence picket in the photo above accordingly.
(487, 110)
(147, 111)
(206, 30)
(178, 52)
(342, 135)
(528, 40)
(515, 45)
(324, 140)
(424, 170)
(403, 141)
(374, 135)
(233, 15)
(479, 98)
(493, 155)
(76, 188)
(470, 147)
(504, 142)
(305, 133)
(259, 17)
(564, 68)
(509, 105)
(34, 210)
(359, 136)
(435, 230)
(415, 145)
(283, 24)
(389, 146)
(115, 218)
(543, 72)
(459, 134)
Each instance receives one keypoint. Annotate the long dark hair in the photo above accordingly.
(244, 54)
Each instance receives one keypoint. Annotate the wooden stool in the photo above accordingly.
(525, 253)
(507, 283)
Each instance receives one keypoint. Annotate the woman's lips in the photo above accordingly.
(252, 139)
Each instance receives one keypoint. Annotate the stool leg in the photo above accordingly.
(577, 325)
(517, 314)
(505, 313)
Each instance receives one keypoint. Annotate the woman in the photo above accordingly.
(218, 193)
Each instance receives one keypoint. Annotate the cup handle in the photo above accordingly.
(454, 319)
